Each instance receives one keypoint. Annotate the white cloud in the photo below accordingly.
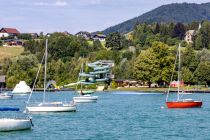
(61, 3)
(41, 4)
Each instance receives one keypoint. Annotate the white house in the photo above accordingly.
(5, 32)
(190, 34)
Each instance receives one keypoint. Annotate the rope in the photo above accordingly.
(35, 80)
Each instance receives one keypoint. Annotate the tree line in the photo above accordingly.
(146, 54)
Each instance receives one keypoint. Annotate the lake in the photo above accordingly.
(116, 115)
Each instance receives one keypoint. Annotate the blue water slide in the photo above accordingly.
(101, 67)
(86, 75)
(99, 72)
(102, 80)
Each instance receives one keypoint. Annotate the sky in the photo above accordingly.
(29, 16)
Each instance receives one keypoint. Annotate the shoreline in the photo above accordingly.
(147, 90)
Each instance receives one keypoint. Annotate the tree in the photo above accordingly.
(205, 33)
(179, 31)
(22, 68)
(165, 62)
(97, 45)
(189, 59)
(202, 73)
(146, 66)
(24, 36)
(198, 42)
(115, 41)
(157, 28)
(187, 75)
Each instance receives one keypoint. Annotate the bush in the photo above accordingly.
(113, 84)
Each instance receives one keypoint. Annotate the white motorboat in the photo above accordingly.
(85, 99)
(21, 88)
(48, 106)
(7, 124)
(52, 107)
(5, 95)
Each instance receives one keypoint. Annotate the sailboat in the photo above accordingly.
(48, 106)
(179, 102)
(83, 97)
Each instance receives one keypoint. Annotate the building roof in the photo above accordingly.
(9, 30)
(99, 35)
(82, 33)
(191, 32)
(2, 78)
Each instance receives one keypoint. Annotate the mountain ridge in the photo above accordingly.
(175, 12)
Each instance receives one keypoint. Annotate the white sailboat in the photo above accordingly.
(49, 106)
(8, 124)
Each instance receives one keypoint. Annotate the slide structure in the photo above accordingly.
(101, 73)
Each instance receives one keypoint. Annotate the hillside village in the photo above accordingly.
(13, 37)
(127, 51)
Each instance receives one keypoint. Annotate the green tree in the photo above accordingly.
(22, 68)
(187, 76)
(205, 33)
(115, 41)
(189, 59)
(97, 45)
(202, 73)
(24, 36)
(179, 31)
(146, 66)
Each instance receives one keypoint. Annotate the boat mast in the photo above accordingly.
(179, 65)
(82, 72)
(45, 70)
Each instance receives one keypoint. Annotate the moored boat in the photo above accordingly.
(85, 99)
(8, 124)
(184, 104)
(52, 107)
(48, 106)
(181, 103)
(5, 95)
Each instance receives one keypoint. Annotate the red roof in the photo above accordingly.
(9, 30)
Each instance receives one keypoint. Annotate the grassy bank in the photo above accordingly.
(8, 52)
(162, 89)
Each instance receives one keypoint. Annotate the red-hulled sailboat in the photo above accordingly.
(181, 103)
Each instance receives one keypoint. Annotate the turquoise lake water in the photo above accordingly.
(116, 115)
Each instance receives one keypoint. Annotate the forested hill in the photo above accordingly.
(184, 13)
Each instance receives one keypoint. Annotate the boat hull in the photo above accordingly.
(183, 104)
(51, 109)
(85, 99)
(14, 124)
